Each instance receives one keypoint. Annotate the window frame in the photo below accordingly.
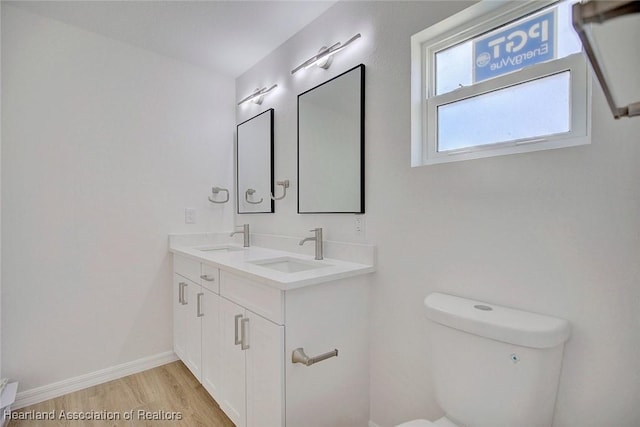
(466, 25)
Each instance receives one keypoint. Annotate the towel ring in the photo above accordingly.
(285, 185)
(215, 191)
(250, 192)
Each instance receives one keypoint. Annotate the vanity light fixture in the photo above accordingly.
(258, 95)
(325, 55)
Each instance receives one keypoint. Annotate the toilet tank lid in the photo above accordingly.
(509, 325)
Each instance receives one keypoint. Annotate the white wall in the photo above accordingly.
(555, 232)
(104, 145)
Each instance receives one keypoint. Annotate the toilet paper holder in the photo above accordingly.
(299, 356)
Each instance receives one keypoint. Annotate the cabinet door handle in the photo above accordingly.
(199, 312)
(181, 293)
(207, 278)
(184, 294)
(237, 341)
(244, 345)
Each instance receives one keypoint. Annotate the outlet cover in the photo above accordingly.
(189, 216)
(359, 225)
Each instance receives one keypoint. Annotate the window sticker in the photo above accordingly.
(530, 42)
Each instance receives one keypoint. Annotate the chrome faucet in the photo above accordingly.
(318, 239)
(245, 231)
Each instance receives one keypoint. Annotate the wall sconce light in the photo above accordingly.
(258, 95)
(325, 55)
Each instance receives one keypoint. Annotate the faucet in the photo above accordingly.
(245, 231)
(318, 239)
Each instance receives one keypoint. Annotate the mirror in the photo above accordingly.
(254, 165)
(331, 145)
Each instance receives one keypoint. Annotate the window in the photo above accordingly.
(498, 78)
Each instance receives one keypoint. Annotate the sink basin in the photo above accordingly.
(290, 265)
(220, 248)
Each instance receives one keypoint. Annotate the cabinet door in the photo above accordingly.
(179, 318)
(233, 389)
(265, 372)
(211, 351)
(193, 302)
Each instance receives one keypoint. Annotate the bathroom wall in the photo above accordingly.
(103, 146)
(554, 232)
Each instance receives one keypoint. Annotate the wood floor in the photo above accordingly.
(168, 395)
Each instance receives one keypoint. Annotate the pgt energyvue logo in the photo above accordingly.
(515, 47)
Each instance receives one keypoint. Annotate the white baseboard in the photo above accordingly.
(57, 389)
(372, 424)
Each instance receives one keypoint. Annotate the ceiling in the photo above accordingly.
(227, 37)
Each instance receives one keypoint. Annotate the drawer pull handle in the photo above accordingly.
(199, 312)
(237, 337)
(181, 293)
(208, 278)
(184, 294)
(299, 356)
(244, 345)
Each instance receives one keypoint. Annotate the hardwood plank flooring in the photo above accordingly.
(167, 395)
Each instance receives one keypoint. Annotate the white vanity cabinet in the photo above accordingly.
(211, 348)
(179, 318)
(187, 329)
(249, 330)
(252, 350)
(190, 329)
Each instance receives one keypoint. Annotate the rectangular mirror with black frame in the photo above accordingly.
(254, 167)
(331, 145)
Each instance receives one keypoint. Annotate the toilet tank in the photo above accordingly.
(494, 366)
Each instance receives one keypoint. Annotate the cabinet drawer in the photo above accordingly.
(261, 299)
(210, 278)
(186, 268)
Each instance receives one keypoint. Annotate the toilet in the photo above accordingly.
(492, 366)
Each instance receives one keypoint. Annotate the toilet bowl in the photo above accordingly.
(483, 355)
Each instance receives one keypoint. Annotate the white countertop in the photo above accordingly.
(241, 262)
